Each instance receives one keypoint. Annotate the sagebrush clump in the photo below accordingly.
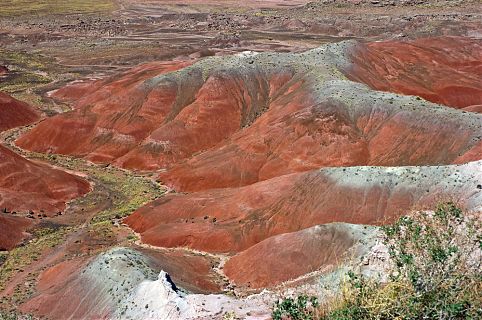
(436, 272)
(302, 308)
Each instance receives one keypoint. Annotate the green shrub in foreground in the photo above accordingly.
(302, 308)
(436, 273)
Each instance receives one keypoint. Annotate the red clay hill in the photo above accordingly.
(26, 186)
(446, 70)
(232, 121)
(233, 219)
(14, 113)
(12, 231)
(251, 136)
(30, 186)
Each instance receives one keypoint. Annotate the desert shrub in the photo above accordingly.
(436, 273)
(302, 308)
(14, 316)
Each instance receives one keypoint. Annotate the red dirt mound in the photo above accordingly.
(55, 284)
(144, 121)
(190, 271)
(235, 120)
(111, 117)
(301, 132)
(14, 113)
(12, 230)
(95, 289)
(290, 255)
(221, 106)
(87, 92)
(446, 70)
(25, 185)
(234, 219)
(29, 186)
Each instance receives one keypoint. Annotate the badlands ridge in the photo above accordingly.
(276, 164)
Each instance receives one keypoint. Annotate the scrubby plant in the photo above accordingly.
(436, 272)
(304, 307)
(14, 316)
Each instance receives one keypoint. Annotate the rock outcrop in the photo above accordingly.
(120, 284)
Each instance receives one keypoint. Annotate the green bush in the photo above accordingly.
(436, 274)
(301, 308)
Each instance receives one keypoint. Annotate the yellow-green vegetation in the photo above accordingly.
(14, 316)
(27, 70)
(126, 193)
(133, 192)
(22, 82)
(129, 191)
(302, 308)
(3, 257)
(132, 238)
(19, 258)
(42, 232)
(23, 60)
(44, 7)
(436, 274)
(102, 231)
